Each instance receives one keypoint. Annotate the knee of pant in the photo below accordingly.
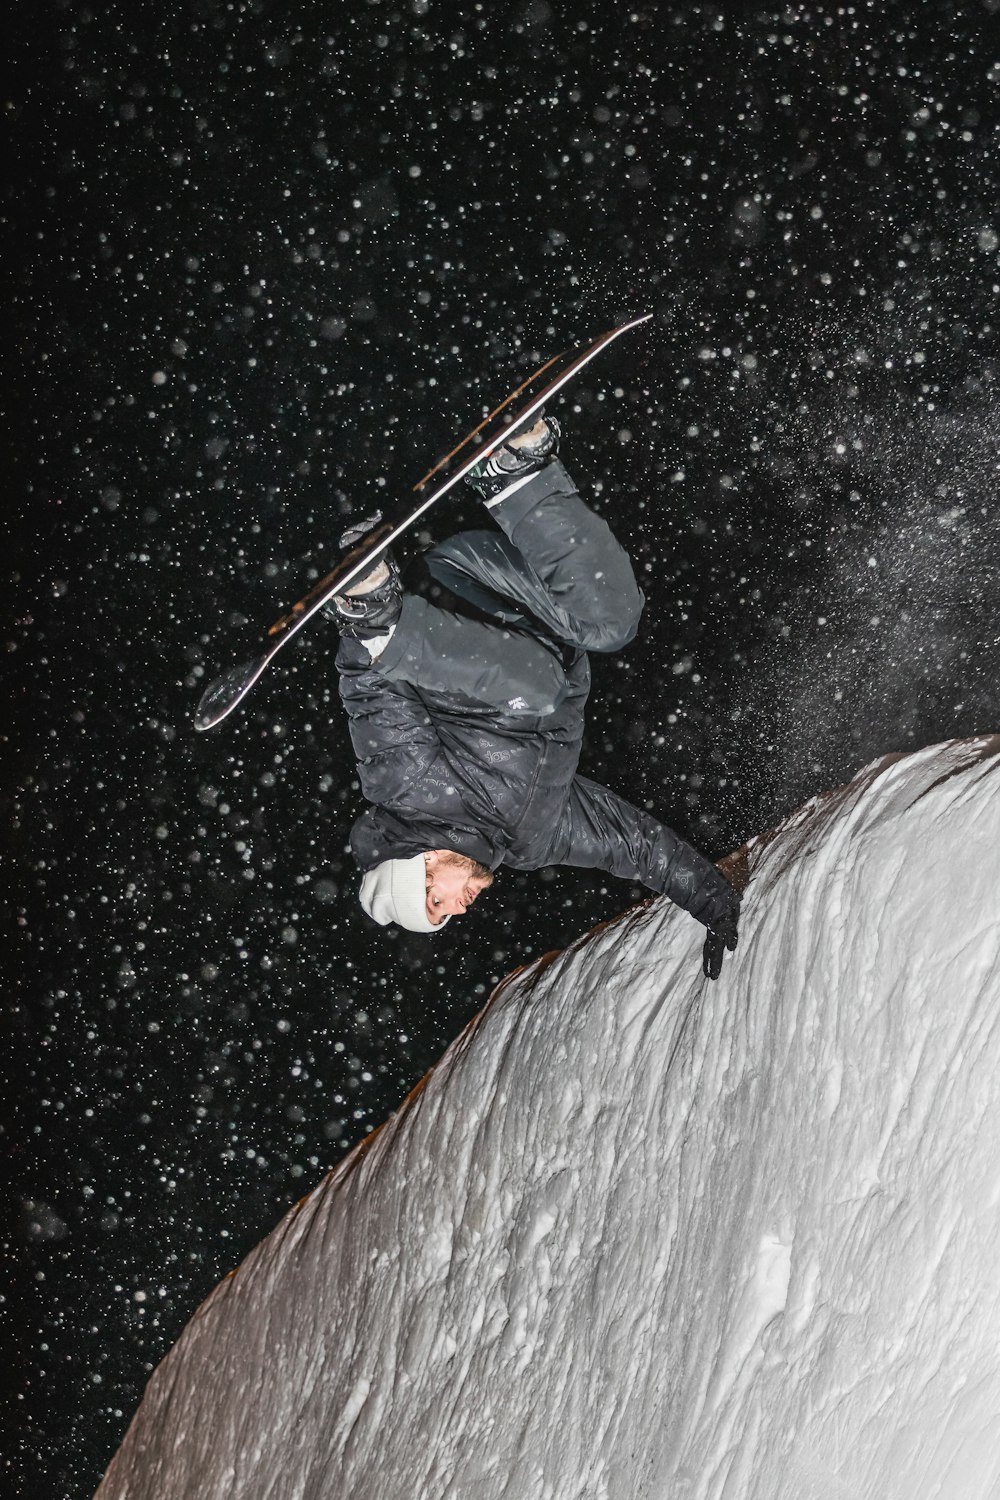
(604, 639)
(616, 630)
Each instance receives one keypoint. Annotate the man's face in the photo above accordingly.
(453, 883)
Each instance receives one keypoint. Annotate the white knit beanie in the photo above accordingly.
(396, 891)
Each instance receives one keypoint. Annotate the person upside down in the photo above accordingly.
(467, 728)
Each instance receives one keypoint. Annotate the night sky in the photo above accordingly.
(273, 260)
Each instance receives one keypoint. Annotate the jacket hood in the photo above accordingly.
(379, 835)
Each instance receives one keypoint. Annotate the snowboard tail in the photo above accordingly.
(226, 692)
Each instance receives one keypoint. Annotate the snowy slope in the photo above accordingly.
(639, 1235)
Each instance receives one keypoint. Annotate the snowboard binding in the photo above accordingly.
(372, 604)
(524, 451)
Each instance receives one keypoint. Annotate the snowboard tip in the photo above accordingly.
(225, 692)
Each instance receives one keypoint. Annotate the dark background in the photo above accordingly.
(271, 260)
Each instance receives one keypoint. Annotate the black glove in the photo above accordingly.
(722, 934)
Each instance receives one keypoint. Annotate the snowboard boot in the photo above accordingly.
(371, 605)
(524, 452)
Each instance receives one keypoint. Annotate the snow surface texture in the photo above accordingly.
(639, 1235)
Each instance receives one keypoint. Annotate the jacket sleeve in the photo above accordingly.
(601, 831)
(393, 735)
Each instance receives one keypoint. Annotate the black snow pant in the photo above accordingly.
(557, 578)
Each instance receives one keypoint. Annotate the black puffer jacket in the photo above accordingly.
(468, 733)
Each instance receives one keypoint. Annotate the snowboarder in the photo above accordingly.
(467, 727)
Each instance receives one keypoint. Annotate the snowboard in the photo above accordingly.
(225, 693)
